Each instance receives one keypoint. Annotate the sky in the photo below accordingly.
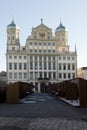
(28, 14)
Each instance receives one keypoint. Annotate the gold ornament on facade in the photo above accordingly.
(42, 34)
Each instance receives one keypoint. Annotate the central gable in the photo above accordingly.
(41, 32)
(42, 27)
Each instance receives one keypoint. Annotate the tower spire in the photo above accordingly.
(12, 17)
(41, 21)
(75, 49)
(60, 20)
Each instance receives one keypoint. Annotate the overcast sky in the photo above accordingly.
(28, 13)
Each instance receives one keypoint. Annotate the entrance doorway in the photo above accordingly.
(42, 87)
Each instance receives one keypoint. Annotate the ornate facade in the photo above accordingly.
(44, 58)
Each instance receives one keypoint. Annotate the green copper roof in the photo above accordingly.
(12, 25)
(60, 27)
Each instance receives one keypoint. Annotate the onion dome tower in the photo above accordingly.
(61, 34)
(13, 42)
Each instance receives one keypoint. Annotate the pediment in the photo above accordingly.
(42, 27)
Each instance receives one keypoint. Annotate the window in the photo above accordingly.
(49, 74)
(40, 75)
(15, 75)
(40, 58)
(15, 66)
(60, 75)
(53, 44)
(59, 58)
(10, 57)
(13, 48)
(53, 51)
(45, 66)
(20, 66)
(44, 57)
(53, 58)
(49, 58)
(54, 75)
(64, 58)
(10, 66)
(36, 65)
(24, 57)
(49, 51)
(20, 75)
(20, 57)
(73, 66)
(31, 50)
(40, 43)
(40, 51)
(10, 75)
(48, 37)
(44, 43)
(23, 49)
(69, 75)
(64, 75)
(35, 51)
(31, 65)
(63, 39)
(64, 66)
(40, 65)
(68, 58)
(15, 57)
(35, 36)
(48, 44)
(13, 38)
(30, 43)
(60, 66)
(45, 74)
(68, 66)
(36, 75)
(35, 57)
(31, 75)
(54, 66)
(25, 75)
(73, 75)
(49, 65)
(25, 66)
(31, 58)
(44, 51)
(73, 58)
(35, 43)
(9, 38)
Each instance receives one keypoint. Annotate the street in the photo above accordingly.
(42, 105)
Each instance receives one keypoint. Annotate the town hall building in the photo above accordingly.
(45, 58)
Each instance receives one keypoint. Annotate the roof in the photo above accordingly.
(83, 68)
(60, 28)
(12, 25)
(43, 26)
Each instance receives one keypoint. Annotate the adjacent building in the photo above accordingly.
(82, 72)
(45, 58)
(3, 77)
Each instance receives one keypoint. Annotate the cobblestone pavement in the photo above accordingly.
(42, 112)
(41, 124)
(42, 106)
